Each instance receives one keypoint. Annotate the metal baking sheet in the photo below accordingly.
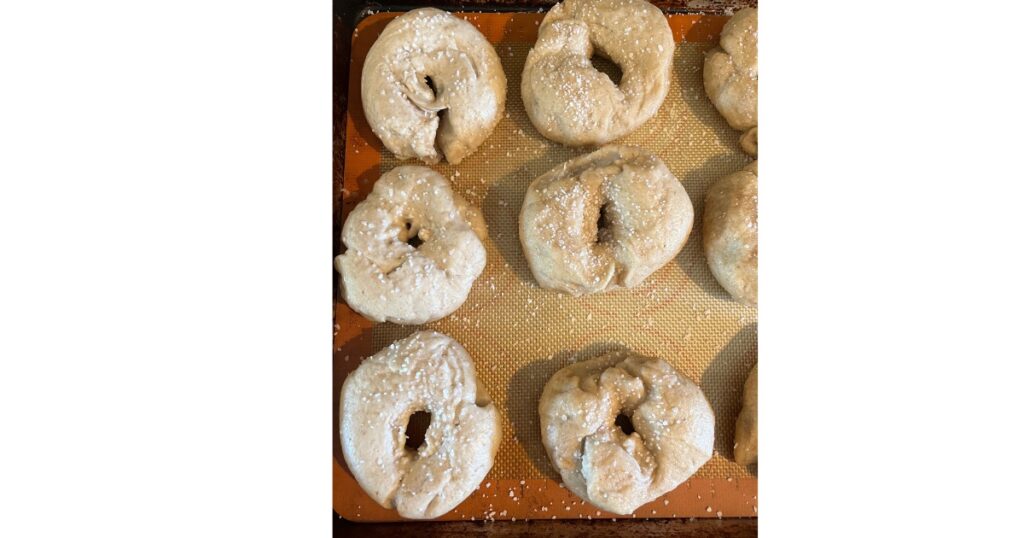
(519, 334)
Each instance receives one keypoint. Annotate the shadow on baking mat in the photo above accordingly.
(524, 390)
(722, 383)
(364, 186)
(346, 358)
(368, 33)
(504, 201)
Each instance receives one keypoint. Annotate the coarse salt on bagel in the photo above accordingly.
(603, 221)
(597, 459)
(427, 371)
(730, 76)
(385, 275)
(571, 102)
(432, 85)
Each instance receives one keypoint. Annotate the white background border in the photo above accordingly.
(165, 181)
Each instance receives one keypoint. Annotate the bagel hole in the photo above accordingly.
(604, 224)
(607, 67)
(442, 120)
(430, 84)
(624, 424)
(414, 241)
(416, 430)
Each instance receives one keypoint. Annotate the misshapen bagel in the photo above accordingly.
(427, 371)
(673, 422)
(603, 221)
(730, 76)
(730, 233)
(452, 113)
(571, 102)
(384, 276)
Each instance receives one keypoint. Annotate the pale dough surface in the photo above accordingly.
(748, 141)
(604, 221)
(730, 75)
(385, 278)
(466, 102)
(571, 102)
(427, 371)
(746, 424)
(730, 233)
(673, 421)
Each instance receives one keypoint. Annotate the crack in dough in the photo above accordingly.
(673, 422)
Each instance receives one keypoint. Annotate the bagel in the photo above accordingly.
(730, 75)
(571, 102)
(730, 233)
(432, 84)
(601, 463)
(427, 371)
(603, 221)
(745, 448)
(748, 141)
(385, 275)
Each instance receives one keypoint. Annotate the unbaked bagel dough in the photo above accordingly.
(730, 74)
(603, 221)
(745, 448)
(452, 113)
(730, 233)
(384, 276)
(571, 102)
(748, 141)
(427, 371)
(673, 422)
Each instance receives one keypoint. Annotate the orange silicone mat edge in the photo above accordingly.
(494, 499)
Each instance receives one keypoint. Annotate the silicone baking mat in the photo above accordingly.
(519, 334)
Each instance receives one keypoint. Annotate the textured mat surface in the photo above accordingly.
(519, 334)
